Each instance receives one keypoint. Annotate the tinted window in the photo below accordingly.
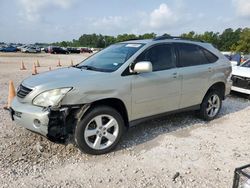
(191, 55)
(210, 56)
(160, 56)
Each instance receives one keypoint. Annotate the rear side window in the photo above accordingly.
(161, 56)
(210, 56)
(191, 55)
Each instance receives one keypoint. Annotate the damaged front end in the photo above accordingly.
(63, 120)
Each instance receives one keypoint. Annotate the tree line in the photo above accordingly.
(237, 40)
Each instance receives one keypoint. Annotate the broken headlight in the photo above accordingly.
(51, 97)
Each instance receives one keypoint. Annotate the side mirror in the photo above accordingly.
(143, 67)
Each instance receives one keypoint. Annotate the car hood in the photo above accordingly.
(241, 71)
(63, 77)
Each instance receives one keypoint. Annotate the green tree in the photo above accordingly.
(147, 36)
(229, 38)
(125, 37)
(64, 44)
(209, 37)
(243, 45)
(189, 35)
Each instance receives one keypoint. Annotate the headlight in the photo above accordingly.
(51, 97)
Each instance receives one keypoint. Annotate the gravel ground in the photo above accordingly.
(175, 151)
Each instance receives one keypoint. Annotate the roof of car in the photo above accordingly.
(166, 39)
(145, 41)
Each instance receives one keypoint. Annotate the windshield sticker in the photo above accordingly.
(133, 45)
(115, 64)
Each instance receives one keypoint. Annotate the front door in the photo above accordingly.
(158, 91)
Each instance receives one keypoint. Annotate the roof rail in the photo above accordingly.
(164, 37)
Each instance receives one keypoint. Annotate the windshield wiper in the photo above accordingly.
(88, 67)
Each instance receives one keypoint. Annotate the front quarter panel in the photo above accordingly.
(114, 86)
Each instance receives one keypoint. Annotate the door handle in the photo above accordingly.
(210, 69)
(175, 75)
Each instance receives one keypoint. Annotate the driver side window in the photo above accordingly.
(161, 56)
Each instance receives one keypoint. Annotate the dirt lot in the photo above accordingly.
(201, 154)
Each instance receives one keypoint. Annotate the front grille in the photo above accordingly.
(242, 82)
(23, 91)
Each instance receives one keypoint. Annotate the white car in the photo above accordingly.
(241, 78)
(29, 50)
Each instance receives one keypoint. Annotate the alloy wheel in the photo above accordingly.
(101, 132)
(213, 105)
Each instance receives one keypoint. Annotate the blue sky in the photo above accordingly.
(31, 21)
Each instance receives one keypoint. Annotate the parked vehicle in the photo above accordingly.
(241, 78)
(237, 59)
(86, 50)
(29, 49)
(38, 49)
(228, 57)
(1, 48)
(8, 49)
(57, 50)
(73, 50)
(122, 85)
(46, 50)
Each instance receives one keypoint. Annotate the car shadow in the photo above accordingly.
(148, 130)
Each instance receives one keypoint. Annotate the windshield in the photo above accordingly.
(246, 64)
(111, 58)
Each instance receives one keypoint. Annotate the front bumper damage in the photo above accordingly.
(54, 123)
(241, 84)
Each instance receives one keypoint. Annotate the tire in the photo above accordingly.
(94, 134)
(211, 105)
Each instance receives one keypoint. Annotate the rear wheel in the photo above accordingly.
(211, 105)
(99, 131)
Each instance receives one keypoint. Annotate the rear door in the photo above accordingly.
(158, 91)
(195, 70)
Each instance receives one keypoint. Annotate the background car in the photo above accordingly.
(38, 49)
(228, 57)
(235, 59)
(73, 50)
(241, 78)
(86, 50)
(29, 49)
(57, 50)
(8, 49)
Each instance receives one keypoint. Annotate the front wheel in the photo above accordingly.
(211, 105)
(99, 131)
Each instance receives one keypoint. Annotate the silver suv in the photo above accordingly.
(121, 85)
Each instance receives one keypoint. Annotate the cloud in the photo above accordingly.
(164, 18)
(161, 17)
(105, 25)
(110, 22)
(159, 20)
(32, 8)
(242, 8)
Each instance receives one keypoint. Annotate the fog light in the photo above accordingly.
(37, 123)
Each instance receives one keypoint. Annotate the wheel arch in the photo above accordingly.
(115, 103)
(218, 86)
